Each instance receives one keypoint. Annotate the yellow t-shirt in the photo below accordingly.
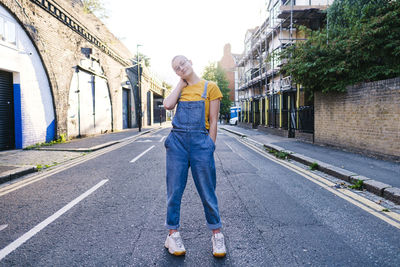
(194, 92)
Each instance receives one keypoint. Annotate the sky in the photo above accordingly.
(198, 29)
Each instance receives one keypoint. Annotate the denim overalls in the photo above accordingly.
(189, 145)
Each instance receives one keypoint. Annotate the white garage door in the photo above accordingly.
(89, 110)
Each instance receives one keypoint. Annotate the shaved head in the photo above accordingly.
(178, 56)
(182, 66)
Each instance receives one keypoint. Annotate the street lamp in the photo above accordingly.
(139, 88)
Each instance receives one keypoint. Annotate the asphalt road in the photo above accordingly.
(271, 215)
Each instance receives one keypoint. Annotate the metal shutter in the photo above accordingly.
(7, 138)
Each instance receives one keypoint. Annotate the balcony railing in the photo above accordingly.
(306, 2)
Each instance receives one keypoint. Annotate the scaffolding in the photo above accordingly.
(261, 84)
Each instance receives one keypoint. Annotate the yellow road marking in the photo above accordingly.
(369, 206)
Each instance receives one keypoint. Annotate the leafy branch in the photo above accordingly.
(96, 7)
(362, 44)
(214, 72)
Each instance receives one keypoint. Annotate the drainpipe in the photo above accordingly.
(280, 110)
(297, 106)
(79, 101)
(260, 110)
(93, 82)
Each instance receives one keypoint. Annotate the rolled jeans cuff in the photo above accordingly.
(172, 227)
(214, 226)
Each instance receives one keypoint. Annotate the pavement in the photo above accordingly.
(381, 177)
(19, 162)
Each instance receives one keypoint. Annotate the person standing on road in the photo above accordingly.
(191, 143)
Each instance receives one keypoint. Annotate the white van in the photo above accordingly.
(234, 115)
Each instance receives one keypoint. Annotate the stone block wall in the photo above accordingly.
(366, 118)
(274, 131)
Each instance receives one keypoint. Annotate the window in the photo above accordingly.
(8, 30)
(275, 60)
(2, 22)
(10, 33)
(248, 47)
(274, 12)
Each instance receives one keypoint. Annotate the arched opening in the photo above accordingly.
(89, 103)
(30, 107)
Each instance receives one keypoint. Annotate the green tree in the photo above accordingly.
(361, 44)
(143, 58)
(168, 87)
(346, 14)
(96, 7)
(214, 72)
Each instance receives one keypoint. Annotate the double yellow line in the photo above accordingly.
(369, 206)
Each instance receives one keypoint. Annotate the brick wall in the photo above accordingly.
(227, 63)
(365, 118)
(60, 49)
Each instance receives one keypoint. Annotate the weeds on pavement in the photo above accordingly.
(60, 140)
(357, 185)
(314, 166)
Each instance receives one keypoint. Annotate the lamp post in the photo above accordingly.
(139, 88)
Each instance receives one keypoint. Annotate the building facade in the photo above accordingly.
(153, 94)
(62, 72)
(149, 94)
(228, 64)
(269, 100)
(27, 109)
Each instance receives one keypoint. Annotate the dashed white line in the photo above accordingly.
(144, 152)
(144, 141)
(46, 174)
(162, 138)
(3, 226)
(14, 245)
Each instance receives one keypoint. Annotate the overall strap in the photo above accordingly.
(204, 95)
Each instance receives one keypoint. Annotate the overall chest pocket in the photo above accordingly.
(195, 115)
(190, 115)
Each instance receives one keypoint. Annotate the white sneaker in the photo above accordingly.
(219, 249)
(174, 244)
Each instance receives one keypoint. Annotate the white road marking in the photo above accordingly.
(46, 174)
(144, 152)
(144, 141)
(14, 245)
(157, 135)
(162, 138)
(3, 226)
